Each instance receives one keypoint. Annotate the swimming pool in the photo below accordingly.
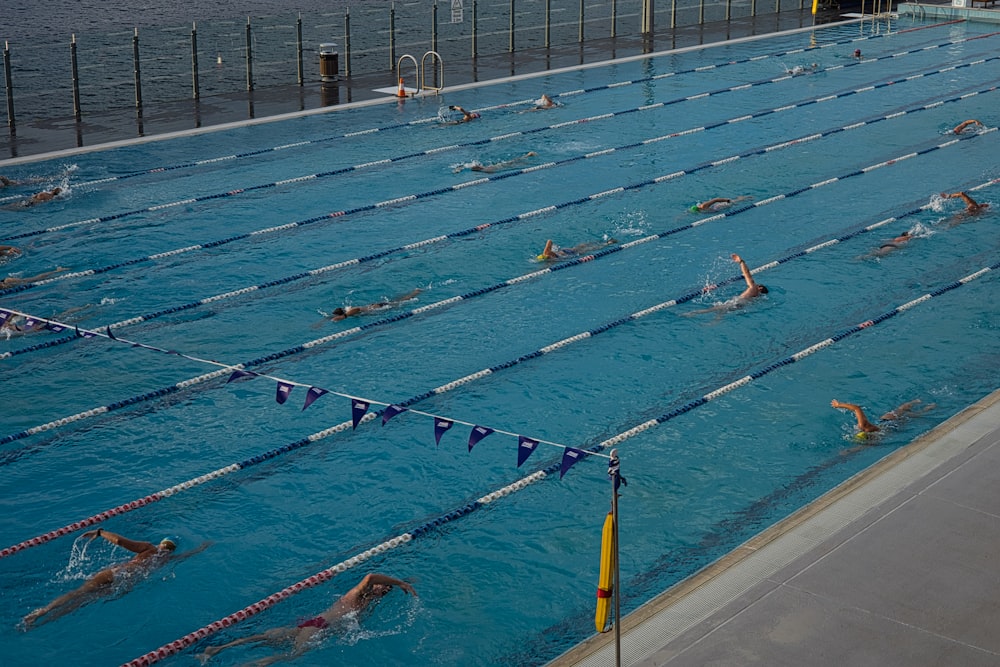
(229, 248)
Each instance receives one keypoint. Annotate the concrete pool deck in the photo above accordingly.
(896, 566)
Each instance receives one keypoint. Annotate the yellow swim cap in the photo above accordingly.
(541, 258)
(861, 436)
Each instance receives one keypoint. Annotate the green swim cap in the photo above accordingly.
(695, 209)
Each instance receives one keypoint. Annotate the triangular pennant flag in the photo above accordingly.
(478, 433)
(237, 374)
(29, 323)
(313, 394)
(284, 390)
(391, 411)
(570, 456)
(110, 335)
(440, 426)
(84, 333)
(358, 410)
(4, 316)
(525, 448)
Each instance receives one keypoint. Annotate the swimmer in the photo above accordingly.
(716, 204)
(890, 246)
(865, 426)
(966, 123)
(467, 116)
(857, 54)
(971, 206)
(367, 592)
(9, 252)
(351, 311)
(10, 282)
(552, 251)
(39, 197)
(6, 182)
(543, 102)
(506, 164)
(752, 291)
(800, 69)
(147, 556)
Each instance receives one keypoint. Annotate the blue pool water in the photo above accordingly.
(345, 217)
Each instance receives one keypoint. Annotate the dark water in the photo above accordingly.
(47, 20)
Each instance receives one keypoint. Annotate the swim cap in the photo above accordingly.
(541, 258)
(168, 543)
(695, 209)
(862, 436)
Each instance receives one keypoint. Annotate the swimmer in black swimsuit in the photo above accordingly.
(892, 245)
(341, 313)
(466, 115)
(369, 590)
(752, 291)
(966, 123)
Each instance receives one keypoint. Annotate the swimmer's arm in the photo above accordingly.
(376, 578)
(132, 545)
(745, 270)
(859, 414)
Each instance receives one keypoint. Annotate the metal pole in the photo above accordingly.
(434, 27)
(249, 58)
(753, 7)
(135, 66)
(8, 80)
(614, 17)
(76, 77)
(647, 17)
(195, 86)
(510, 43)
(616, 481)
(392, 36)
(581, 21)
(548, 23)
(701, 12)
(475, 29)
(298, 49)
(347, 43)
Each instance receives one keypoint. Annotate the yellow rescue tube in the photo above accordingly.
(605, 582)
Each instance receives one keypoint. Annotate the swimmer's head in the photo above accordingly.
(541, 258)
(861, 436)
(56, 191)
(339, 312)
(694, 208)
(167, 544)
(762, 289)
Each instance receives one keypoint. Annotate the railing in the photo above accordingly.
(77, 74)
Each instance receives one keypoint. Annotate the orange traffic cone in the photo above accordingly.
(402, 89)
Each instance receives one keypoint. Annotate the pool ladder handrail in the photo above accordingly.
(420, 70)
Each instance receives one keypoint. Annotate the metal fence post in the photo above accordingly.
(475, 29)
(614, 18)
(392, 36)
(580, 36)
(510, 40)
(135, 67)
(347, 43)
(548, 23)
(647, 17)
(434, 27)
(74, 70)
(249, 58)
(195, 85)
(298, 49)
(9, 81)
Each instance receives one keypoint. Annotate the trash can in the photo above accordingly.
(329, 62)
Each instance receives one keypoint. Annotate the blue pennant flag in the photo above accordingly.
(4, 316)
(284, 391)
(570, 456)
(241, 374)
(30, 323)
(84, 333)
(391, 411)
(440, 426)
(56, 328)
(525, 448)
(110, 335)
(313, 394)
(478, 433)
(358, 410)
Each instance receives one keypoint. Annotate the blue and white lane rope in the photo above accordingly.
(375, 130)
(314, 272)
(184, 642)
(510, 135)
(480, 181)
(344, 426)
(93, 412)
